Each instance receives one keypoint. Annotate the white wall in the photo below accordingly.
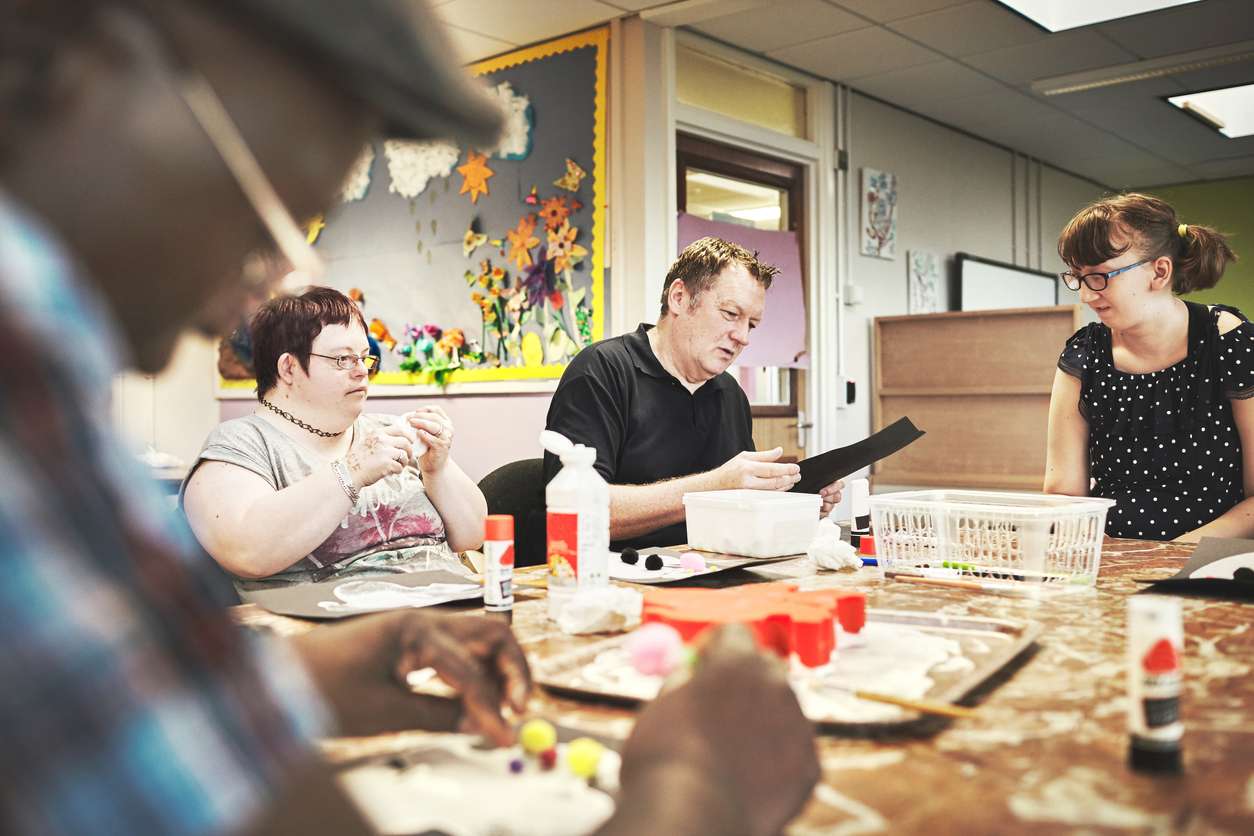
(172, 411)
(954, 193)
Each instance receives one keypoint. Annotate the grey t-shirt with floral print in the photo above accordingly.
(393, 528)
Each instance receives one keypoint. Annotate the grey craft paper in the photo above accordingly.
(343, 597)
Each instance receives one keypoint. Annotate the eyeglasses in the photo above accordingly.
(1096, 281)
(345, 362)
(227, 140)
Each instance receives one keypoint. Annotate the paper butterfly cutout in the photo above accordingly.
(472, 241)
(571, 179)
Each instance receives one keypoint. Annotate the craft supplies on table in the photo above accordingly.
(1012, 537)
(929, 658)
(752, 523)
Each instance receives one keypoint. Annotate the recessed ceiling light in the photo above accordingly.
(1057, 15)
(1229, 110)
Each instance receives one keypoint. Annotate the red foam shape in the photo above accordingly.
(783, 618)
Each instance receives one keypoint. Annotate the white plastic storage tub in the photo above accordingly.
(1015, 536)
(752, 523)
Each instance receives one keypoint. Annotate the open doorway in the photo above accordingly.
(722, 183)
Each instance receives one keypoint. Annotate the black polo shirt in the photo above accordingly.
(646, 427)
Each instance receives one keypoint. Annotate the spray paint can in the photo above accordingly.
(498, 565)
(1155, 645)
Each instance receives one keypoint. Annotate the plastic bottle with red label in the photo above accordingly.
(578, 505)
(498, 564)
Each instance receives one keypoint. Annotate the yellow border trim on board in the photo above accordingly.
(599, 38)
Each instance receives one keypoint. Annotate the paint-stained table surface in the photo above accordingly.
(1047, 751)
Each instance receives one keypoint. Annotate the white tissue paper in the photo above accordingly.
(607, 609)
(828, 551)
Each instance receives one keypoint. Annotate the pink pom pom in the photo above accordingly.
(655, 649)
(692, 561)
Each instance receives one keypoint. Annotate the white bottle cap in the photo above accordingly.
(861, 491)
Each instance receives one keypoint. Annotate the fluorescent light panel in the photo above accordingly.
(1229, 110)
(1057, 15)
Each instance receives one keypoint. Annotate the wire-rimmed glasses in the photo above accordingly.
(345, 362)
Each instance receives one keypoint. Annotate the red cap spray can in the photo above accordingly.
(498, 564)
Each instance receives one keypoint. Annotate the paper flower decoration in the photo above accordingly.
(521, 239)
(555, 210)
(563, 251)
(571, 179)
(475, 174)
(472, 240)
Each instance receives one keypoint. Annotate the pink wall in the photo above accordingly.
(492, 430)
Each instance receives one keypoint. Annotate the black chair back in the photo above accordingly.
(517, 489)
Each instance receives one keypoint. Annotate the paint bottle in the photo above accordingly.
(578, 522)
(498, 565)
(1155, 643)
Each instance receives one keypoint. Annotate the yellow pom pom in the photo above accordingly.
(583, 755)
(537, 736)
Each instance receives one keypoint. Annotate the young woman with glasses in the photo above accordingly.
(1151, 405)
(311, 487)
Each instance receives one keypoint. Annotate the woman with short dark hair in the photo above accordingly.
(1151, 405)
(309, 487)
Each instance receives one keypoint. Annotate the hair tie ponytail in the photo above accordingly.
(1183, 230)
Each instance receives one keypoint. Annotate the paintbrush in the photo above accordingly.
(942, 709)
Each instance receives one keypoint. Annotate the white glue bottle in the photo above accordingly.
(1155, 642)
(578, 505)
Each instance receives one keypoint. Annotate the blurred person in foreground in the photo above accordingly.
(146, 149)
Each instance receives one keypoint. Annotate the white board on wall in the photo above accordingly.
(985, 284)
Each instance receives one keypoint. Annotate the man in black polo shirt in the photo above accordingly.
(659, 407)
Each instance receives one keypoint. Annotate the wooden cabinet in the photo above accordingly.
(978, 383)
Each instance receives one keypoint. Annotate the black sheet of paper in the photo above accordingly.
(819, 471)
(1222, 567)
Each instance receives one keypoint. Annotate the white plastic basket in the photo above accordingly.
(1012, 536)
(752, 523)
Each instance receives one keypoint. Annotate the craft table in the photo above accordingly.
(1047, 751)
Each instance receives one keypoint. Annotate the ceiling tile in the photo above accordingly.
(1212, 78)
(1064, 53)
(882, 11)
(969, 29)
(855, 54)
(1196, 26)
(1117, 176)
(782, 24)
(524, 23)
(471, 46)
(985, 114)
(1157, 126)
(927, 83)
(1228, 167)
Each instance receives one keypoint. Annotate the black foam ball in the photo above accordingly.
(653, 562)
(629, 555)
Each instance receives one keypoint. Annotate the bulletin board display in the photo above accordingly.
(478, 265)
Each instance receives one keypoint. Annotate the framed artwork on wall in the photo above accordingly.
(879, 214)
(926, 285)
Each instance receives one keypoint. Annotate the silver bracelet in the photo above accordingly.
(345, 482)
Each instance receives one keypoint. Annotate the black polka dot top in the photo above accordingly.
(1163, 444)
